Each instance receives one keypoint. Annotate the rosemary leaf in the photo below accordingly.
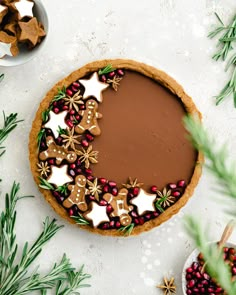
(1, 77)
(45, 184)
(127, 230)
(80, 220)
(40, 137)
(60, 94)
(106, 70)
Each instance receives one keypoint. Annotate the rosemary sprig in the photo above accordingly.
(63, 189)
(158, 204)
(216, 158)
(216, 266)
(62, 131)
(14, 277)
(45, 114)
(45, 184)
(10, 123)
(1, 77)
(80, 220)
(60, 94)
(226, 40)
(41, 136)
(106, 70)
(127, 230)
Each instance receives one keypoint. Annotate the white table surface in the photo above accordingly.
(168, 34)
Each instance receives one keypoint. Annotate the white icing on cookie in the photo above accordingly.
(93, 87)
(56, 120)
(25, 8)
(5, 49)
(98, 214)
(144, 202)
(2, 8)
(59, 175)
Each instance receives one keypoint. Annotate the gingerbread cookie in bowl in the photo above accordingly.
(111, 140)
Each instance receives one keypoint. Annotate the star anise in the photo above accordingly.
(70, 139)
(74, 100)
(94, 188)
(132, 183)
(168, 286)
(115, 82)
(88, 156)
(43, 168)
(165, 199)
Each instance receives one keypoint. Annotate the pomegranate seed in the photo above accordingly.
(206, 276)
(69, 92)
(103, 78)
(234, 270)
(77, 117)
(84, 143)
(112, 183)
(72, 173)
(109, 209)
(89, 137)
(72, 112)
(195, 290)
(210, 290)
(189, 270)
(172, 185)
(51, 161)
(195, 265)
(55, 194)
(181, 183)
(88, 171)
(92, 198)
(130, 195)
(112, 223)
(75, 89)
(226, 249)
(114, 191)
(82, 107)
(136, 221)
(198, 275)
(154, 189)
(148, 216)
(231, 251)
(71, 212)
(188, 277)
(117, 224)
(134, 214)
(189, 292)
(56, 110)
(120, 72)
(65, 108)
(191, 283)
(42, 145)
(106, 189)
(60, 199)
(135, 191)
(105, 226)
(141, 220)
(155, 214)
(176, 194)
(90, 177)
(218, 290)
(78, 170)
(72, 166)
(76, 84)
(102, 180)
(55, 104)
(103, 203)
(78, 162)
(69, 123)
(111, 74)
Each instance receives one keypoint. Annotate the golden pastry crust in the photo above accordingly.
(148, 71)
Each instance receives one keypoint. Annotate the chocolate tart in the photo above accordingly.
(108, 149)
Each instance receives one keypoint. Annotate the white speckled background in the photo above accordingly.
(168, 34)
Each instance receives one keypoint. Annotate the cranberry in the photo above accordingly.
(181, 183)
(84, 143)
(154, 189)
(69, 92)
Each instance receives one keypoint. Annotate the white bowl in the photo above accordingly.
(191, 258)
(26, 55)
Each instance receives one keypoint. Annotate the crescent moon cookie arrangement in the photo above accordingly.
(65, 158)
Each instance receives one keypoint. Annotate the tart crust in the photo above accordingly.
(149, 71)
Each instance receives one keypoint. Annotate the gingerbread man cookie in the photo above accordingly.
(120, 206)
(58, 152)
(89, 120)
(78, 192)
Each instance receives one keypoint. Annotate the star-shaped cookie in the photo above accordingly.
(144, 201)
(93, 87)
(97, 214)
(59, 175)
(24, 8)
(31, 31)
(56, 121)
(8, 45)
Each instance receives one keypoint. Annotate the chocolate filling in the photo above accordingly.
(142, 134)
